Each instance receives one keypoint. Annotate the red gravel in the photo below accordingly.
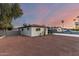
(39, 46)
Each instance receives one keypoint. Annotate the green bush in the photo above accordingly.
(75, 29)
(10, 27)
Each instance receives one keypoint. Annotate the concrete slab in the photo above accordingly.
(71, 35)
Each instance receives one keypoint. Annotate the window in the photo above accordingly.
(27, 28)
(37, 29)
(22, 29)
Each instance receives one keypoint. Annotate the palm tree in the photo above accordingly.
(74, 19)
(74, 23)
(62, 21)
(77, 17)
(8, 12)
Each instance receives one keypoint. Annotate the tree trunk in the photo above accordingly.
(5, 31)
(44, 31)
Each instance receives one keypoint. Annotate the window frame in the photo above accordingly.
(38, 29)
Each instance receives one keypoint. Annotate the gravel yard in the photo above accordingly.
(51, 45)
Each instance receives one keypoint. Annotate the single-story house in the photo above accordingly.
(56, 29)
(77, 25)
(33, 30)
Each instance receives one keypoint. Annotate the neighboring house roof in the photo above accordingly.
(34, 25)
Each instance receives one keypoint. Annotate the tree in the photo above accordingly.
(8, 12)
(17, 11)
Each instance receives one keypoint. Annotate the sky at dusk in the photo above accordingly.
(49, 14)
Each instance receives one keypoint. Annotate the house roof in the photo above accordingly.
(34, 25)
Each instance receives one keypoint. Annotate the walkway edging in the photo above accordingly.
(2, 37)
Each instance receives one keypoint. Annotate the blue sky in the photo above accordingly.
(49, 14)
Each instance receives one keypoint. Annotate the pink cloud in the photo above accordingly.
(67, 14)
